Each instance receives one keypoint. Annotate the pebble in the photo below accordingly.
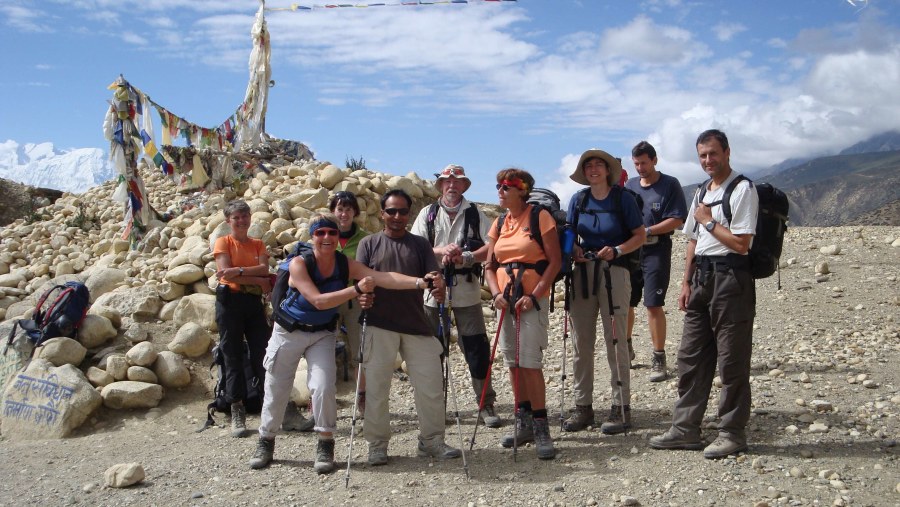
(818, 427)
(791, 429)
(830, 250)
(797, 472)
(869, 384)
(197, 494)
(89, 487)
(806, 453)
(822, 268)
(629, 500)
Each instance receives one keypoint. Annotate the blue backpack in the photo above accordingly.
(58, 316)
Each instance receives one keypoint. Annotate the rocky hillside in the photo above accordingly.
(21, 201)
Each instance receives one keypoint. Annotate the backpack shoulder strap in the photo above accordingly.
(343, 267)
(430, 217)
(472, 222)
(726, 198)
(535, 225)
(500, 220)
(309, 260)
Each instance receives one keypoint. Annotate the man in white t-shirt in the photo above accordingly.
(718, 296)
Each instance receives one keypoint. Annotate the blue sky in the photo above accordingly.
(530, 84)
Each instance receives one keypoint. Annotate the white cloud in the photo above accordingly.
(644, 40)
(26, 19)
(726, 31)
(133, 38)
(42, 66)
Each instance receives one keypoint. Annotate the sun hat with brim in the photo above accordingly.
(615, 167)
(455, 171)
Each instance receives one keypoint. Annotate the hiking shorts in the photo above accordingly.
(637, 287)
(656, 264)
(533, 336)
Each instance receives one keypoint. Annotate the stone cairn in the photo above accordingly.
(167, 276)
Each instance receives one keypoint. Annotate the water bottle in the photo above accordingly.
(568, 242)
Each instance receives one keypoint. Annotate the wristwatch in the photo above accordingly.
(647, 230)
(240, 271)
(711, 225)
(618, 251)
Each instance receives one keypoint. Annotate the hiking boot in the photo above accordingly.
(265, 450)
(674, 439)
(238, 420)
(615, 423)
(524, 428)
(542, 440)
(582, 417)
(294, 420)
(324, 456)
(489, 417)
(724, 446)
(378, 456)
(658, 367)
(438, 449)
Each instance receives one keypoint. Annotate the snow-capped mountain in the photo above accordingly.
(42, 165)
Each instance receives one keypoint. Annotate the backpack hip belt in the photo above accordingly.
(707, 263)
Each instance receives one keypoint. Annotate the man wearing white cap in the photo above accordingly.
(456, 229)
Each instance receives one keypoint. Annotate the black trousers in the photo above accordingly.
(241, 316)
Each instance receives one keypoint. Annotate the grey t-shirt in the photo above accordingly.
(663, 199)
(400, 311)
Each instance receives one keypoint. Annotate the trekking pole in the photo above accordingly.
(444, 333)
(488, 379)
(562, 377)
(615, 340)
(359, 369)
(516, 387)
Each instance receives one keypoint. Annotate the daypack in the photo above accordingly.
(61, 315)
(545, 199)
(281, 286)
(471, 235)
(253, 400)
(631, 260)
(771, 225)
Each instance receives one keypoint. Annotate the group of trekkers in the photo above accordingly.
(397, 290)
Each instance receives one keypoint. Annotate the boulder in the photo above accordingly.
(191, 340)
(117, 366)
(98, 377)
(141, 374)
(61, 350)
(95, 330)
(130, 394)
(47, 401)
(142, 354)
(109, 312)
(140, 301)
(185, 274)
(170, 370)
(167, 312)
(170, 290)
(136, 333)
(123, 475)
(101, 280)
(198, 308)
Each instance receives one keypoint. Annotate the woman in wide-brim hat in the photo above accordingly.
(608, 222)
(520, 275)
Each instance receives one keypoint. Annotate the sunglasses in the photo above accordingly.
(394, 211)
(504, 188)
(321, 233)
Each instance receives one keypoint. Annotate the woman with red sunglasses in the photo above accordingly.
(520, 275)
(315, 295)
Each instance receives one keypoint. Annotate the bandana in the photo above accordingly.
(323, 223)
(515, 183)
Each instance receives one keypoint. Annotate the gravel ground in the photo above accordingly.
(823, 431)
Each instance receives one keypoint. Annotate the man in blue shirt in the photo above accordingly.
(664, 211)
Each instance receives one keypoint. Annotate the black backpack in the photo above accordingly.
(545, 199)
(771, 225)
(253, 400)
(59, 316)
(631, 260)
(471, 234)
